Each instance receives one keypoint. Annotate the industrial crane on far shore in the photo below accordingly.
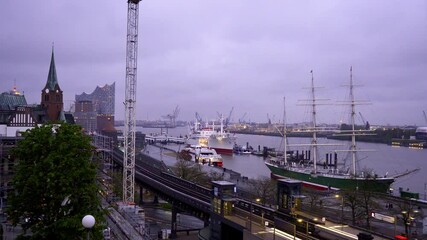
(172, 117)
(242, 119)
(425, 116)
(226, 120)
(365, 123)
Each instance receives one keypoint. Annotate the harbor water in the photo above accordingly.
(380, 158)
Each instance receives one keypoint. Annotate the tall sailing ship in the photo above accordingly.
(326, 174)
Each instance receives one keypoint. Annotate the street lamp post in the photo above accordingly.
(306, 225)
(413, 218)
(406, 221)
(1, 199)
(342, 210)
(88, 222)
(274, 232)
(250, 217)
(250, 214)
(408, 218)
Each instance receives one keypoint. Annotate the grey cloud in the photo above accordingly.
(208, 56)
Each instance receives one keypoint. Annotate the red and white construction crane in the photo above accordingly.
(130, 103)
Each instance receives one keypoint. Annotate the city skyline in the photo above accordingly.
(210, 56)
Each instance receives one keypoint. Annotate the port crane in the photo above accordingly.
(269, 119)
(365, 123)
(130, 102)
(242, 119)
(363, 119)
(172, 117)
(227, 119)
(425, 116)
(198, 117)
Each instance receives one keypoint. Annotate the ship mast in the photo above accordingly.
(285, 140)
(312, 102)
(314, 139)
(353, 133)
(222, 125)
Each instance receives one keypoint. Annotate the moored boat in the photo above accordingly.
(421, 132)
(242, 149)
(203, 155)
(331, 181)
(210, 137)
(329, 174)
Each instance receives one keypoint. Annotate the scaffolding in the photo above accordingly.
(7, 162)
(104, 147)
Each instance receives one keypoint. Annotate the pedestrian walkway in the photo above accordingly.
(10, 232)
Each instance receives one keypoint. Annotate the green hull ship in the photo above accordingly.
(328, 176)
(332, 181)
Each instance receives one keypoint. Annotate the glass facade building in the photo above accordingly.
(95, 111)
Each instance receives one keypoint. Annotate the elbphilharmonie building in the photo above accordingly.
(95, 111)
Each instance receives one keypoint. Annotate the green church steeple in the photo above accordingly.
(52, 79)
(52, 98)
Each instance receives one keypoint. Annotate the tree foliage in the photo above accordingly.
(117, 183)
(55, 183)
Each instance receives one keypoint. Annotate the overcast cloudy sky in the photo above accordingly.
(209, 56)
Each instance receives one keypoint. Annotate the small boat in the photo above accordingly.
(203, 155)
(421, 132)
(245, 149)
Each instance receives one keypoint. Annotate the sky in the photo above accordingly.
(214, 55)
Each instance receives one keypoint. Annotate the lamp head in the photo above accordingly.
(88, 221)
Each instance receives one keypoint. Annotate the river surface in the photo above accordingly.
(380, 158)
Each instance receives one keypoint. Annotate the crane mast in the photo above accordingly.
(130, 100)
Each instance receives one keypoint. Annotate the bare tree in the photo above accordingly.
(215, 176)
(189, 171)
(352, 200)
(313, 198)
(264, 188)
(367, 205)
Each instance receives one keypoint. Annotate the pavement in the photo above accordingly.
(10, 232)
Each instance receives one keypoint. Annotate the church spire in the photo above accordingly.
(52, 98)
(52, 79)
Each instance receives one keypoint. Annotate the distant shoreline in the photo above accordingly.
(390, 137)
